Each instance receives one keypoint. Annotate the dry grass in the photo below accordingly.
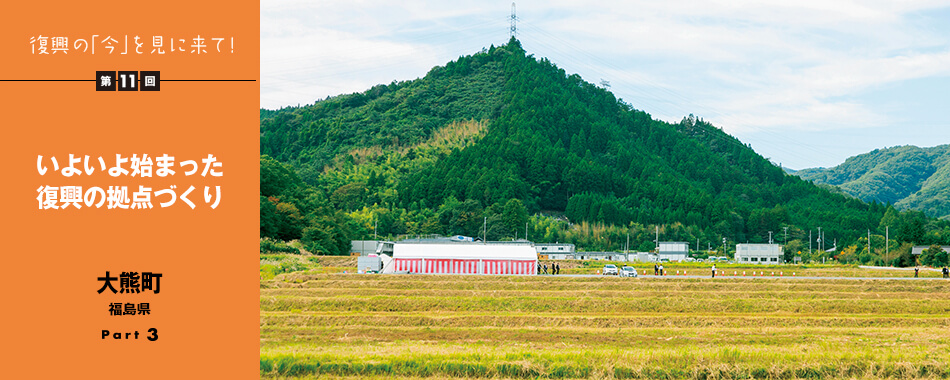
(457, 134)
(400, 326)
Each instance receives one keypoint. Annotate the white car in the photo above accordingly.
(610, 269)
(628, 272)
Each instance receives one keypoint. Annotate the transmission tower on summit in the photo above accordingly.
(514, 22)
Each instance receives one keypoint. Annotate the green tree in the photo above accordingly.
(349, 197)
(934, 256)
(848, 255)
(276, 178)
(791, 250)
(911, 226)
(269, 219)
(905, 257)
(514, 216)
(318, 241)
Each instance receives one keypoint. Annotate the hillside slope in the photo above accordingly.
(491, 138)
(906, 176)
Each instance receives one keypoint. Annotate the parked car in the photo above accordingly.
(610, 269)
(628, 272)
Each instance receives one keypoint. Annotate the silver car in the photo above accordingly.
(628, 272)
(610, 269)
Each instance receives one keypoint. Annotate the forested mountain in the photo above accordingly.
(909, 177)
(504, 137)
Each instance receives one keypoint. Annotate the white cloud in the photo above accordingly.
(745, 65)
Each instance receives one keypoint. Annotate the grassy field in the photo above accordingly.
(316, 323)
(274, 264)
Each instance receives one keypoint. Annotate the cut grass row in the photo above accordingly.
(557, 283)
(553, 304)
(632, 292)
(298, 321)
(742, 361)
(292, 366)
(918, 339)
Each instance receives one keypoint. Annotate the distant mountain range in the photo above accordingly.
(909, 177)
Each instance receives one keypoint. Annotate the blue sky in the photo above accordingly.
(806, 83)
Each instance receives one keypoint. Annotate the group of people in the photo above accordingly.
(555, 268)
(945, 271)
(658, 270)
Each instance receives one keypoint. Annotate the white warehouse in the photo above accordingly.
(672, 251)
(441, 257)
(759, 254)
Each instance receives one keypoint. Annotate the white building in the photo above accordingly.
(450, 257)
(759, 254)
(672, 251)
(555, 251)
(367, 247)
(608, 256)
(646, 257)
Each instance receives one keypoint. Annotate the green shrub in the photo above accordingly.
(269, 245)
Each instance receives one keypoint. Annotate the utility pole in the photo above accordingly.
(869, 241)
(485, 231)
(786, 234)
(887, 243)
(626, 248)
(657, 238)
(375, 224)
(724, 247)
(770, 237)
(526, 230)
(809, 242)
(819, 240)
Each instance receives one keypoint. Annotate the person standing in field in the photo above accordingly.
(946, 272)
(714, 271)
(656, 270)
(558, 270)
(916, 271)
(661, 269)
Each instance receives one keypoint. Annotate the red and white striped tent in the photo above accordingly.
(464, 258)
